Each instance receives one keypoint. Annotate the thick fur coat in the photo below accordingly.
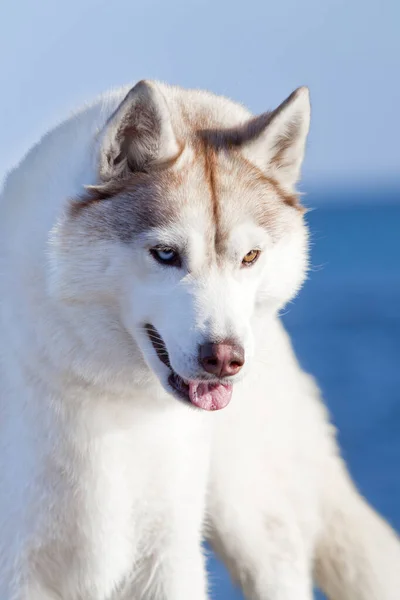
(149, 395)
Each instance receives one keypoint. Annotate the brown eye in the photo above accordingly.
(250, 258)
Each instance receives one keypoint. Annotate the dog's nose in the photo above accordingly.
(222, 359)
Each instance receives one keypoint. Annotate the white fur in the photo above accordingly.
(107, 481)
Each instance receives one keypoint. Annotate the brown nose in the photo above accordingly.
(221, 360)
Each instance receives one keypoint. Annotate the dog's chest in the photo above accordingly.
(140, 485)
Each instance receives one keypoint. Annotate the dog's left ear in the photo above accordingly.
(280, 137)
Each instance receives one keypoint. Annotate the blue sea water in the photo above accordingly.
(345, 327)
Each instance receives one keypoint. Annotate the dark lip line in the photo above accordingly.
(158, 345)
(179, 393)
(162, 353)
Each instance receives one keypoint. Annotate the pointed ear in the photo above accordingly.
(139, 135)
(278, 147)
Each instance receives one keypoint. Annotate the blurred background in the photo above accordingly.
(345, 324)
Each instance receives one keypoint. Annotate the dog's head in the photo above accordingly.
(192, 229)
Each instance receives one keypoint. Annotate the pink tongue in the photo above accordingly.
(209, 396)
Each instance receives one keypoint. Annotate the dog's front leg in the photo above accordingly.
(181, 575)
(264, 553)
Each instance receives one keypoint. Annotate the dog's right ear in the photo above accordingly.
(139, 134)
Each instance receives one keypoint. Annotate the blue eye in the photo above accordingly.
(166, 256)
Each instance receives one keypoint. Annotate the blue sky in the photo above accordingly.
(56, 55)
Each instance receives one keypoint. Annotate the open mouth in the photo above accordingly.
(207, 395)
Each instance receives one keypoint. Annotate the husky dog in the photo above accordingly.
(149, 393)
